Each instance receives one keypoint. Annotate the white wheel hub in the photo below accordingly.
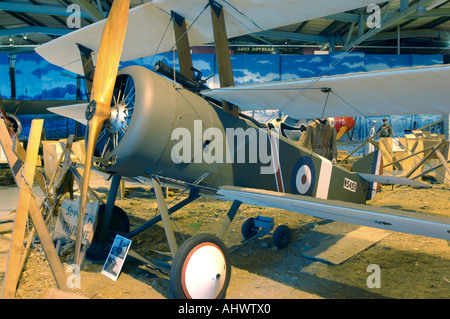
(204, 272)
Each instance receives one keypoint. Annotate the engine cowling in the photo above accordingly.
(141, 122)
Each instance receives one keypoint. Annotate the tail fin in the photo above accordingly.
(370, 164)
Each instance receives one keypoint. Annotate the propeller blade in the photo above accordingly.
(98, 110)
(341, 132)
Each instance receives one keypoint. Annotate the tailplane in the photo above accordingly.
(370, 168)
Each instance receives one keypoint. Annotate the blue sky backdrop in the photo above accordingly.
(36, 79)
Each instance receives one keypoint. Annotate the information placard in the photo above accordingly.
(116, 258)
(66, 224)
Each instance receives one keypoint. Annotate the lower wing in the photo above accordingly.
(363, 215)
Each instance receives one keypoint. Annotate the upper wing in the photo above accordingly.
(363, 215)
(420, 90)
(148, 22)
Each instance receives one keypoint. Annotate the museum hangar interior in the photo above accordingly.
(387, 56)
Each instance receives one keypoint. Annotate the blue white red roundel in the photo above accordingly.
(303, 176)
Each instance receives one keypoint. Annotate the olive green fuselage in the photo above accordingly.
(179, 135)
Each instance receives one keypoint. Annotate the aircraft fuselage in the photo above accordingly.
(177, 134)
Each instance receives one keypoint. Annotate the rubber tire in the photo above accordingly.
(282, 236)
(247, 228)
(119, 224)
(176, 270)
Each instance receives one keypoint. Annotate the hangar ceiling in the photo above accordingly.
(409, 25)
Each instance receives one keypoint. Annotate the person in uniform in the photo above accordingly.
(320, 137)
(388, 132)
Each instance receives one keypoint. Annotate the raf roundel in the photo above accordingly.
(303, 176)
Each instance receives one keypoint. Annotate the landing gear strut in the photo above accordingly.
(201, 265)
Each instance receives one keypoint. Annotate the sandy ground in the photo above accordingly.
(411, 266)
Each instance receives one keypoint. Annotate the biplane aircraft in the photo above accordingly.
(169, 127)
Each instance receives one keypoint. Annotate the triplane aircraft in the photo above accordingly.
(169, 127)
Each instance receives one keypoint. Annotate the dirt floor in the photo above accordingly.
(411, 266)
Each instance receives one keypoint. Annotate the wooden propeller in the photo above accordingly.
(341, 132)
(99, 108)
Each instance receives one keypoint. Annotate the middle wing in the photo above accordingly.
(363, 215)
(420, 90)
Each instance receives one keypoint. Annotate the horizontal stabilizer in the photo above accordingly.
(75, 112)
(391, 180)
(358, 214)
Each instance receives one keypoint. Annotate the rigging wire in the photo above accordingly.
(311, 84)
(161, 40)
(187, 30)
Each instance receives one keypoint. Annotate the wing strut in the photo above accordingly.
(87, 59)
(223, 53)
(183, 47)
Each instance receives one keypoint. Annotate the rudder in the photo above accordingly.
(370, 164)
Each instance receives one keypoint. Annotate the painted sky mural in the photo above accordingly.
(36, 79)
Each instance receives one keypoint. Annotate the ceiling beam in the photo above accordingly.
(403, 12)
(434, 13)
(34, 29)
(436, 23)
(345, 17)
(37, 9)
(90, 9)
(421, 33)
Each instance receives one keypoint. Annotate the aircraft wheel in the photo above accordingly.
(248, 228)
(201, 269)
(119, 224)
(282, 236)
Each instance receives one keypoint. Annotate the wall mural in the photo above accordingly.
(36, 79)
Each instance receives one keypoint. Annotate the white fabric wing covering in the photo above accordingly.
(421, 90)
(358, 214)
(148, 23)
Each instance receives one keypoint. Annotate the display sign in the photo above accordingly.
(66, 224)
(116, 258)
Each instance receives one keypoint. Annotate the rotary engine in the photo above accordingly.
(139, 128)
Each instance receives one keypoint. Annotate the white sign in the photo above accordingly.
(66, 224)
(116, 258)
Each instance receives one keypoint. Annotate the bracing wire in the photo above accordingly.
(311, 84)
